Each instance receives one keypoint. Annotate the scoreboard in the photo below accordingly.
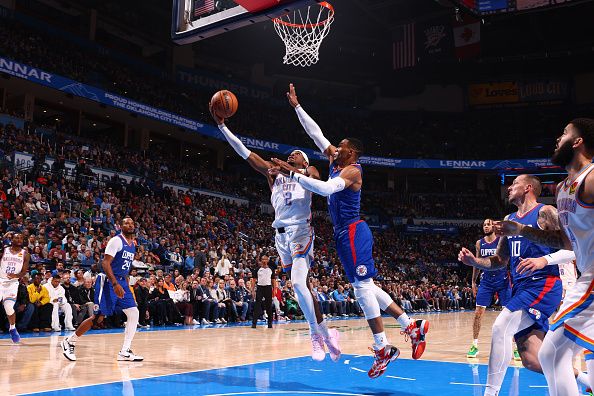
(486, 7)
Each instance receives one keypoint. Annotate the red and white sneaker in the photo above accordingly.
(383, 357)
(416, 331)
(318, 353)
(332, 344)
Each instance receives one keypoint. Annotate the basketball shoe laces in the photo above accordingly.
(70, 347)
(318, 343)
(411, 333)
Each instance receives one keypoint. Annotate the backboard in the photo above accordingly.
(194, 20)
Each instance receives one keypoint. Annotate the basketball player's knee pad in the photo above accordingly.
(382, 297)
(367, 299)
(8, 307)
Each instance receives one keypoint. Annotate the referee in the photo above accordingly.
(263, 291)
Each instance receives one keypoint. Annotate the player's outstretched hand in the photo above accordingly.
(119, 290)
(466, 257)
(529, 265)
(507, 228)
(292, 96)
(284, 166)
(214, 115)
(274, 171)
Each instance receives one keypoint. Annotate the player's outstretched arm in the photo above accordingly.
(311, 127)
(347, 178)
(255, 161)
(492, 263)
(550, 234)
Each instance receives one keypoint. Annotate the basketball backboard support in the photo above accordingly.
(195, 20)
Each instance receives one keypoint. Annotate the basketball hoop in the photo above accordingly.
(303, 32)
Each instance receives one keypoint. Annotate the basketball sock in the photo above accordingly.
(299, 272)
(556, 358)
(132, 316)
(380, 340)
(11, 327)
(506, 325)
(404, 320)
(72, 339)
(475, 342)
(323, 328)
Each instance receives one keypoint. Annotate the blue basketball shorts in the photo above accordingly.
(539, 296)
(106, 301)
(486, 291)
(354, 245)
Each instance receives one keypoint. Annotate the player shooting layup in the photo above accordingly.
(294, 236)
(354, 242)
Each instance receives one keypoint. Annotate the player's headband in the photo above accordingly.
(305, 157)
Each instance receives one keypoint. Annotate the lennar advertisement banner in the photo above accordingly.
(492, 93)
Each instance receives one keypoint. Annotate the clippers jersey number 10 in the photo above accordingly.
(515, 248)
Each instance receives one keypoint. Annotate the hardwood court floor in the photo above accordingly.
(38, 365)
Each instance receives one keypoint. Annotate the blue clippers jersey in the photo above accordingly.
(489, 249)
(521, 248)
(344, 206)
(122, 261)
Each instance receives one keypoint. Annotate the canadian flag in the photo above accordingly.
(467, 38)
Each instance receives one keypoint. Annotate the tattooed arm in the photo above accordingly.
(492, 263)
(550, 234)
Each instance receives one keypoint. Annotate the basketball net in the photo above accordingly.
(303, 32)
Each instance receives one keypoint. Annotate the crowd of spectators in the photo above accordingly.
(196, 255)
(405, 135)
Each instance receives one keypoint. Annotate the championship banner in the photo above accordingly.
(496, 93)
(434, 39)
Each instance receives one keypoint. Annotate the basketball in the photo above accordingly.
(224, 103)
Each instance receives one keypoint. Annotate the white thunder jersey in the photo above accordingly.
(577, 219)
(291, 202)
(11, 264)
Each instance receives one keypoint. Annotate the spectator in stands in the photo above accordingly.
(71, 297)
(23, 307)
(238, 297)
(85, 300)
(39, 296)
(219, 297)
(58, 300)
(142, 294)
(340, 298)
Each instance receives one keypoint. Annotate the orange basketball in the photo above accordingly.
(224, 103)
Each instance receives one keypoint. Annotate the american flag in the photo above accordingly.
(404, 52)
(202, 7)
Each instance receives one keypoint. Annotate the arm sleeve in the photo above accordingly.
(114, 246)
(560, 257)
(323, 188)
(234, 141)
(312, 129)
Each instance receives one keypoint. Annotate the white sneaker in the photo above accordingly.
(57, 329)
(194, 321)
(69, 329)
(332, 344)
(218, 321)
(129, 356)
(205, 322)
(68, 350)
(223, 320)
